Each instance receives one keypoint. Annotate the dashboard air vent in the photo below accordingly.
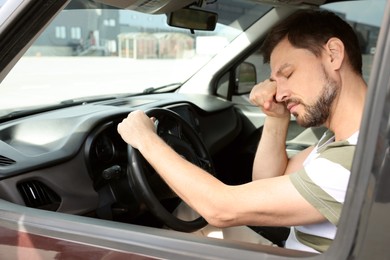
(5, 161)
(37, 195)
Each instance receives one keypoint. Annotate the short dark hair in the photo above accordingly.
(309, 29)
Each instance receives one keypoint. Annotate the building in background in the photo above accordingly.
(117, 33)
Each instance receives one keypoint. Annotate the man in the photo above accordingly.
(316, 76)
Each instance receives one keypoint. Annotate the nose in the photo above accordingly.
(282, 93)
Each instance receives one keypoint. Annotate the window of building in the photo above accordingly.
(60, 32)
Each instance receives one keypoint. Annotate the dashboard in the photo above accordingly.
(72, 160)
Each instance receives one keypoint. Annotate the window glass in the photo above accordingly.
(86, 53)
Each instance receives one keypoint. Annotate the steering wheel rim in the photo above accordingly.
(137, 175)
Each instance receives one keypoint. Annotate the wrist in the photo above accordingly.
(277, 125)
(148, 141)
(278, 121)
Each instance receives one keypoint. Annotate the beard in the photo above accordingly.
(316, 114)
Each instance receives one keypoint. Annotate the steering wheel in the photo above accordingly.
(148, 185)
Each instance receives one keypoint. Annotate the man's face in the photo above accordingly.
(303, 84)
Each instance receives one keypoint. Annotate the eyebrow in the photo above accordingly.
(280, 70)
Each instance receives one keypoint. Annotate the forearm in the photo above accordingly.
(200, 190)
(271, 158)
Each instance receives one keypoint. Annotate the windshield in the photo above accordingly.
(90, 53)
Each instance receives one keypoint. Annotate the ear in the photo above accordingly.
(334, 53)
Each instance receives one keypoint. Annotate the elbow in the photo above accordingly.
(217, 210)
(219, 218)
(220, 224)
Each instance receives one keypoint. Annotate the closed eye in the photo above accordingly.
(288, 75)
(285, 71)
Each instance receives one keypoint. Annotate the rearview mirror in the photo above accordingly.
(193, 19)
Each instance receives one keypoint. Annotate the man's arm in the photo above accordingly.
(272, 201)
(271, 157)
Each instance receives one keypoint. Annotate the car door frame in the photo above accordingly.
(365, 211)
(366, 201)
